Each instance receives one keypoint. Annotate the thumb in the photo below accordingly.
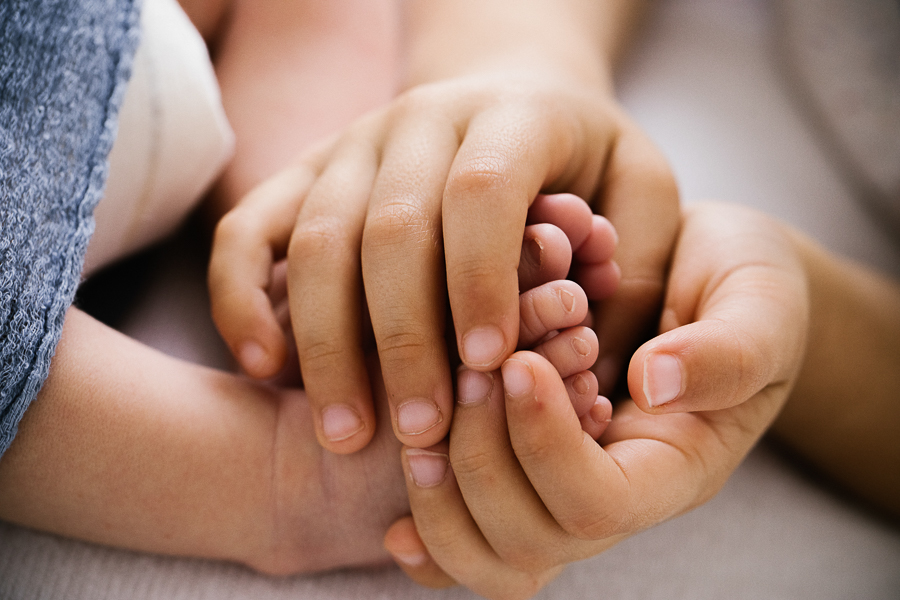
(734, 320)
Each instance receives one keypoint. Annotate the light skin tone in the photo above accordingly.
(125, 446)
(873, 299)
(426, 198)
(746, 296)
(128, 447)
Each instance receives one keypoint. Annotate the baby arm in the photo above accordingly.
(128, 447)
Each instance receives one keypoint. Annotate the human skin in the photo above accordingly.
(426, 198)
(843, 417)
(125, 446)
(746, 297)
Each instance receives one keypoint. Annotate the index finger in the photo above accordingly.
(247, 241)
(504, 160)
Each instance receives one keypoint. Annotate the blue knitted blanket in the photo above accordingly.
(64, 65)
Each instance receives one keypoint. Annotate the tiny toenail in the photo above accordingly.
(534, 251)
(567, 298)
(581, 346)
(601, 411)
(340, 422)
(474, 386)
(417, 416)
(580, 385)
(412, 560)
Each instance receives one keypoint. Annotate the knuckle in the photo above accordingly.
(400, 347)
(230, 228)
(477, 270)
(440, 539)
(319, 354)
(398, 222)
(536, 449)
(527, 558)
(415, 100)
(484, 173)
(317, 236)
(468, 465)
(589, 526)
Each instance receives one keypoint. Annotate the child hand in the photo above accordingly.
(736, 278)
(424, 200)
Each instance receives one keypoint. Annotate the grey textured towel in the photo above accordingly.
(64, 65)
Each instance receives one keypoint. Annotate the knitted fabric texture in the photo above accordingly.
(64, 65)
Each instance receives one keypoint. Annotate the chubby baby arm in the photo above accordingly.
(128, 447)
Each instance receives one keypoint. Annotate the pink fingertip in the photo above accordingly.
(254, 358)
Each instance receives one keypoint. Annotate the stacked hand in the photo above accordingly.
(521, 490)
(425, 200)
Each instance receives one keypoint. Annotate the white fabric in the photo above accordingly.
(173, 137)
(703, 82)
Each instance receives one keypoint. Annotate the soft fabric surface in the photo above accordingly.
(63, 71)
(173, 140)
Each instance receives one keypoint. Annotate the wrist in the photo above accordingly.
(451, 39)
(325, 511)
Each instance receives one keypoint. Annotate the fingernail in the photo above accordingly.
(483, 346)
(417, 416)
(567, 298)
(581, 346)
(427, 468)
(518, 379)
(474, 386)
(253, 357)
(411, 560)
(662, 379)
(340, 422)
